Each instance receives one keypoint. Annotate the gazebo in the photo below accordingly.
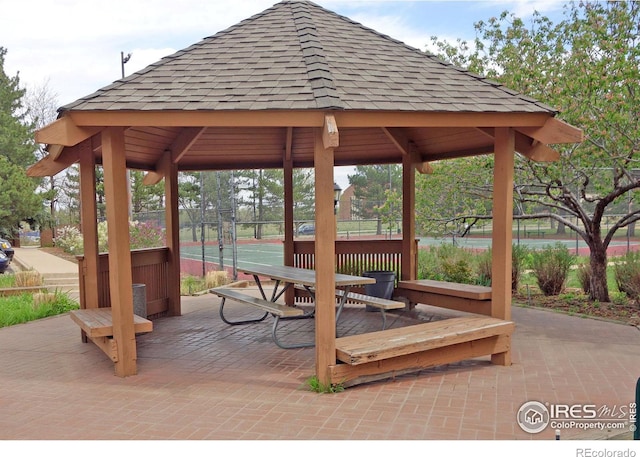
(294, 86)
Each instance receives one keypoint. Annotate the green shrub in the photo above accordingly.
(551, 268)
(190, 284)
(583, 274)
(449, 263)
(17, 309)
(519, 259)
(627, 275)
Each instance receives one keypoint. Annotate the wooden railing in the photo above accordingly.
(355, 256)
(149, 267)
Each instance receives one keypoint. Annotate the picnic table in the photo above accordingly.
(285, 277)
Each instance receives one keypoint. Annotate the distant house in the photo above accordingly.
(345, 212)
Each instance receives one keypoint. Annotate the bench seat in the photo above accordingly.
(96, 322)
(277, 309)
(97, 326)
(376, 302)
(396, 342)
(469, 298)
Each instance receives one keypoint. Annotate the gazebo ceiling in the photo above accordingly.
(251, 95)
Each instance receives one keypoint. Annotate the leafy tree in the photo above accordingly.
(42, 109)
(369, 184)
(451, 207)
(587, 66)
(17, 191)
(145, 198)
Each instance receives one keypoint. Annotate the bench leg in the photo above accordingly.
(283, 345)
(384, 319)
(248, 321)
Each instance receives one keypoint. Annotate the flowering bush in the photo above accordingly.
(141, 234)
(145, 235)
(69, 239)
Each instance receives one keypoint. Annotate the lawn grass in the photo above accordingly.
(18, 309)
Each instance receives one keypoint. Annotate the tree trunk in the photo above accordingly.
(599, 290)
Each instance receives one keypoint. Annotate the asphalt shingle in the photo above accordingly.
(298, 55)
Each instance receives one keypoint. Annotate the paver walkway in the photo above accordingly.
(200, 379)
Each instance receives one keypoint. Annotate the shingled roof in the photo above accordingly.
(297, 55)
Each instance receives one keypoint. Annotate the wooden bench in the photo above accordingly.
(380, 303)
(97, 325)
(461, 297)
(277, 310)
(396, 351)
(269, 307)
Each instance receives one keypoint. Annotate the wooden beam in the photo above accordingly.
(151, 178)
(502, 231)
(172, 232)
(325, 257)
(554, 131)
(120, 278)
(408, 148)
(280, 118)
(289, 144)
(183, 142)
(533, 150)
(409, 246)
(528, 147)
(49, 167)
(89, 224)
(63, 132)
(330, 134)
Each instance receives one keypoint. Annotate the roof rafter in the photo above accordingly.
(63, 132)
(554, 131)
(408, 147)
(48, 166)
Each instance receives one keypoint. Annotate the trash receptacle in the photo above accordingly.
(140, 300)
(383, 287)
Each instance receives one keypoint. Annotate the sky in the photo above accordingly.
(74, 47)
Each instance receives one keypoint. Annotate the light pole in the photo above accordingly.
(337, 190)
(124, 59)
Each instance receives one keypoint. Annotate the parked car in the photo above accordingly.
(6, 248)
(4, 262)
(307, 229)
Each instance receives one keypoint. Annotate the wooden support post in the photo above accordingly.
(172, 234)
(89, 224)
(502, 231)
(325, 255)
(409, 248)
(288, 210)
(115, 186)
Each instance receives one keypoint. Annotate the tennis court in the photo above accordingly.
(271, 252)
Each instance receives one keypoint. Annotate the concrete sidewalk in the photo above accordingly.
(34, 258)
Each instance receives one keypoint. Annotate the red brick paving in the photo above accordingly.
(200, 379)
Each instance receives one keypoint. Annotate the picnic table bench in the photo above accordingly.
(277, 310)
(380, 303)
(97, 325)
(469, 298)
